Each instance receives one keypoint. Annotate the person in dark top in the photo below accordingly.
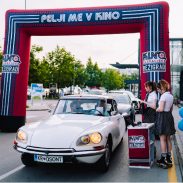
(150, 102)
(164, 125)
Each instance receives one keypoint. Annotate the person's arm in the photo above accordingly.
(161, 106)
(150, 104)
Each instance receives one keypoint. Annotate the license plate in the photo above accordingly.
(48, 159)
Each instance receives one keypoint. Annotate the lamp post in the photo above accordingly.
(74, 77)
(25, 4)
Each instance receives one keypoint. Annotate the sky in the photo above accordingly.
(103, 49)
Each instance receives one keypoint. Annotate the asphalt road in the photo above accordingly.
(12, 170)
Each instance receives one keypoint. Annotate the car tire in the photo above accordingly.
(27, 160)
(104, 162)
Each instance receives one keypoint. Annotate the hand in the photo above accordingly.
(139, 100)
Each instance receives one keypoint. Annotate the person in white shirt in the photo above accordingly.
(150, 102)
(164, 125)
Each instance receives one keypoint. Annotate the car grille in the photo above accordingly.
(50, 150)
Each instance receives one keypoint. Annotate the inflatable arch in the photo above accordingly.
(150, 20)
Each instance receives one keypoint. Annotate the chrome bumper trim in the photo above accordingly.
(76, 153)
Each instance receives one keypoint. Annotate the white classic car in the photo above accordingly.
(83, 129)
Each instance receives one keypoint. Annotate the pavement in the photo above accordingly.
(41, 105)
(177, 138)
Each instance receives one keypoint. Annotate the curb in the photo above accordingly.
(37, 109)
(179, 150)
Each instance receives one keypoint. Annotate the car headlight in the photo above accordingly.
(21, 136)
(85, 139)
(94, 138)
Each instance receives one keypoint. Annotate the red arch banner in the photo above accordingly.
(150, 20)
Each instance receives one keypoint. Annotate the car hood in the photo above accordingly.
(124, 108)
(59, 131)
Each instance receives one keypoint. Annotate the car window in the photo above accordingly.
(81, 106)
(122, 99)
(112, 107)
(115, 107)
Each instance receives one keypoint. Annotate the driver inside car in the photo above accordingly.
(75, 108)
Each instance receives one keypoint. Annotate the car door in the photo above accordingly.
(118, 121)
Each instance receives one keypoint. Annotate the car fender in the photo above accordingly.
(105, 129)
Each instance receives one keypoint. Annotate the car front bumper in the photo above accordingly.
(69, 155)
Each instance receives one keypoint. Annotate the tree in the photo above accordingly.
(112, 79)
(62, 67)
(93, 74)
(79, 74)
(133, 76)
(34, 75)
(44, 73)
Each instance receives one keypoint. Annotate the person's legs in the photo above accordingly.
(169, 149)
(163, 144)
(169, 144)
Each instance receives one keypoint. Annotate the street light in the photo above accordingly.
(74, 77)
(25, 4)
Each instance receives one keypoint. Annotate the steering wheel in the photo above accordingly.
(95, 110)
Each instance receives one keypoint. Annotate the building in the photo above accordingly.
(176, 64)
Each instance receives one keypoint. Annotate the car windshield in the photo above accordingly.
(81, 106)
(122, 99)
(129, 93)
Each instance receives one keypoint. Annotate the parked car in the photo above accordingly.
(96, 92)
(125, 106)
(133, 98)
(85, 129)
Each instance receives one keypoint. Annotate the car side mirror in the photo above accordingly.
(50, 111)
(113, 113)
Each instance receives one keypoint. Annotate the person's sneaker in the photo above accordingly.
(162, 163)
(169, 160)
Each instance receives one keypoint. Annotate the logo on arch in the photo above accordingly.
(154, 61)
(11, 63)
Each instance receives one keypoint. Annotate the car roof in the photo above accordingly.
(117, 95)
(122, 91)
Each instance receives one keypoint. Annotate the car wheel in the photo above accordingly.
(27, 160)
(105, 160)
